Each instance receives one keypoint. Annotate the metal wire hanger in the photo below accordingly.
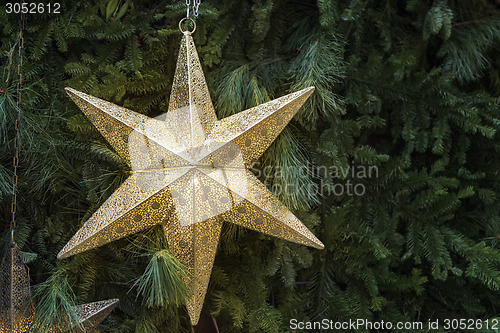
(15, 161)
(196, 5)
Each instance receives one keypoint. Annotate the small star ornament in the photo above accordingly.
(17, 310)
(190, 172)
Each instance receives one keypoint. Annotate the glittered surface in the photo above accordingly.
(92, 314)
(190, 173)
(17, 310)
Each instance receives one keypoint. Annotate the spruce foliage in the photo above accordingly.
(408, 88)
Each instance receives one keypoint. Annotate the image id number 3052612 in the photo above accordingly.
(32, 8)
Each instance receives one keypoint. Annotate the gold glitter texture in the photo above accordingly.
(17, 310)
(190, 172)
(92, 314)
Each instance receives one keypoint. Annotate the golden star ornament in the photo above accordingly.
(17, 310)
(190, 172)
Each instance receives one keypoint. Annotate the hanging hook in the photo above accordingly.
(196, 5)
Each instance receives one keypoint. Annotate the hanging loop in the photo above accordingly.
(187, 32)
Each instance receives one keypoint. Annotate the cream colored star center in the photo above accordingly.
(206, 177)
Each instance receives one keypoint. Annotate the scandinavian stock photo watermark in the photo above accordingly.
(329, 180)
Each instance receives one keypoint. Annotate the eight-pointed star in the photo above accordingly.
(190, 172)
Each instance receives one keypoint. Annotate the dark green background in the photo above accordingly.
(411, 87)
